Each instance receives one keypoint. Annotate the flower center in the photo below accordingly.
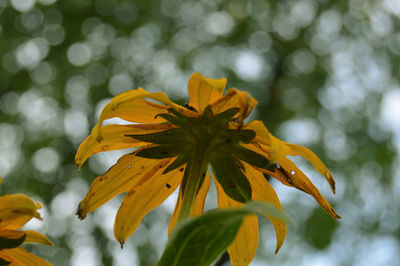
(200, 141)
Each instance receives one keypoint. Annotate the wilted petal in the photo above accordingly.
(314, 160)
(295, 177)
(16, 210)
(203, 91)
(262, 133)
(244, 246)
(235, 98)
(263, 191)
(21, 257)
(198, 204)
(114, 137)
(136, 106)
(129, 171)
(142, 199)
(35, 237)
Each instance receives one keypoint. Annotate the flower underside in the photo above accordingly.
(206, 140)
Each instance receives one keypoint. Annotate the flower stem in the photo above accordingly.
(192, 179)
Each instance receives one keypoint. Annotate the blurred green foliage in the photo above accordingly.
(325, 73)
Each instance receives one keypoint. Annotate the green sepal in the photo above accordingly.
(160, 152)
(226, 115)
(245, 135)
(176, 163)
(231, 178)
(253, 158)
(11, 239)
(4, 262)
(164, 137)
(170, 118)
(199, 241)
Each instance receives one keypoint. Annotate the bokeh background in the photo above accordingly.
(325, 73)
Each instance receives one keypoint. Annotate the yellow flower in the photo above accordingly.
(177, 144)
(15, 211)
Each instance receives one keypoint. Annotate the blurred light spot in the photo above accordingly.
(30, 53)
(285, 27)
(119, 48)
(46, 160)
(85, 254)
(337, 145)
(64, 204)
(185, 40)
(392, 6)
(10, 63)
(22, 5)
(378, 250)
(238, 9)
(90, 24)
(191, 12)
(79, 54)
(54, 34)
(205, 63)
(390, 111)
(250, 66)
(76, 125)
(32, 20)
(76, 90)
(260, 41)
(11, 137)
(302, 62)
(303, 12)
(8, 103)
(106, 7)
(126, 13)
(96, 74)
(41, 113)
(219, 23)
(300, 131)
(329, 23)
(120, 83)
(101, 162)
(47, 2)
(381, 23)
(43, 73)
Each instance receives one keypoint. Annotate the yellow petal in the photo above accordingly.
(198, 204)
(293, 175)
(35, 237)
(22, 257)
(16, 210)
(244, 246)
(134, 106)
(113, 137)
(203, 91)
(263, 191)
(142, 199)
(125, 174)
(278, 150)
(262, 133)
(235, 98)
(314, 160)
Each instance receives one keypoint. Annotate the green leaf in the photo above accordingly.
(199, 241)
(160, 152)
(11, 239)
(164, 137)
(231, 178)
(182, 159)
(253, 158)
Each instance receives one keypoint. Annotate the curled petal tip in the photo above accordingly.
(122, 243)
(80, 212)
